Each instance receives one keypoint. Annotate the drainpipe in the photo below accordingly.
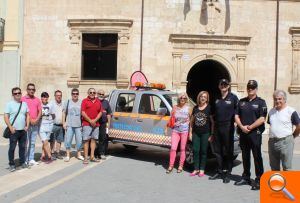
(276, 46)
(142, 33)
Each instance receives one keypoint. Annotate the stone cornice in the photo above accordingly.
(76, 23)
(295, 30)
(189, 41)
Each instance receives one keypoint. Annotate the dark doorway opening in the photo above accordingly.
(205, 76)
(99, 56)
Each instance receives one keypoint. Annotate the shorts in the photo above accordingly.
(57, 134)
(90, 133)
(45, 136)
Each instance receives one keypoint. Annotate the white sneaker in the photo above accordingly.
(33, 163)
(80, 158)
(67, 159)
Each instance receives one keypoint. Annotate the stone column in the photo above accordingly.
(122, 67)
(74, 65)
(295, 80)
(176, 69)
(241, 59)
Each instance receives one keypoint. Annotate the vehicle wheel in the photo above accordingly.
(189, 160)
(130, 147)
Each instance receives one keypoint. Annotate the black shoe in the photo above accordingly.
(255, 186)
(58, 156)
(214, 177)
(12, 168)
(226, 179)
(243, 182)
(24, 165)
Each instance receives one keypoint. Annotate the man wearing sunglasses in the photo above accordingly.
(35, 112)
(91, 111)
(104, 124)
(250, 119)
(18, 129)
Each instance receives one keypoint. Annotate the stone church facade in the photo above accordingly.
(186, 44)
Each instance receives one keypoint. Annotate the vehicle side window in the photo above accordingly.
(150, 104)
(125, 102)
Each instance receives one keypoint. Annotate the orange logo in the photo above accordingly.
(280, 186)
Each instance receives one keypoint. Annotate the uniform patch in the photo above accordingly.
(243, 103)
(228, 102)
(217, 101)
(255, 106)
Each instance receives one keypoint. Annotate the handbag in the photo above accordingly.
(171, 123)
(7, 133)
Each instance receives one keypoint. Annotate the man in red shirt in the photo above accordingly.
(91, 111)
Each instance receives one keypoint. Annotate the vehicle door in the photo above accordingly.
(122, 124)
(153, 125)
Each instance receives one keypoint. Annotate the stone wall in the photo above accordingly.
(240, 34)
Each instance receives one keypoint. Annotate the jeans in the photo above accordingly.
(69, 137)
(200, 144)
(33, 131)
(20, 138)
(281, 150)
(175, 138)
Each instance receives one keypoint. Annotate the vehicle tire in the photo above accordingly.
(130, 147)
(189, 160)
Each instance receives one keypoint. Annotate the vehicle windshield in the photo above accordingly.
(172, 99)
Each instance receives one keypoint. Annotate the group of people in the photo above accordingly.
(57, 122)
(205, 125)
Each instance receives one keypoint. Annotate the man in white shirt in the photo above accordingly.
(57, 136)
(282, 118)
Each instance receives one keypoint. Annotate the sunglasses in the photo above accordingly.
(183, 98)
(100, 94)
(31, 90)
(17, 93)
(75, 93)
(92, 92)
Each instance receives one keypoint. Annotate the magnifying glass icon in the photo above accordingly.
(277, 183)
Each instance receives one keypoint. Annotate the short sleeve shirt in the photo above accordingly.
(57, 109)
(106, 110)
(225, 108)
(11, 109)
(47, 111)
(74, 113)
(250, 111)
(92, 108)
(281, 122)
(201, 123)
(34, 105)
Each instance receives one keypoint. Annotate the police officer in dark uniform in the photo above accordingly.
(250, 118)
(225, 108)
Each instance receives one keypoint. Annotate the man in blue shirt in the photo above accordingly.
(19, 127)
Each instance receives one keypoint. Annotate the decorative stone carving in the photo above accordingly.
(75, 37)
(294, 88)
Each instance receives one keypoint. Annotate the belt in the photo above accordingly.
(279, 138)
(58, 124)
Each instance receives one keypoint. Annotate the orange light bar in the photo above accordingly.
(159, 86)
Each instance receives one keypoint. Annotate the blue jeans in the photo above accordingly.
(33, 131)
(69, 137)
